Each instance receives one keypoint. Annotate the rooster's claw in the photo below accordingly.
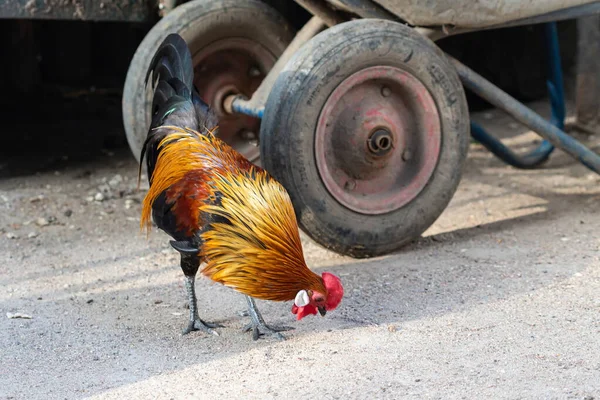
(199, 325)
(263, 329)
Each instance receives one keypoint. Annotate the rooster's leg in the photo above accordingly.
(189, 265)
(258, 325)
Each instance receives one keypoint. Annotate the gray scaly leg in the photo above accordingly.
(189, 265)
(195, 323)
(258, 325)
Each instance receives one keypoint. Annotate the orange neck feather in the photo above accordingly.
(258, 252)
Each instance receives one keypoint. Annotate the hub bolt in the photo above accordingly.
(380, 142)
(350, 184)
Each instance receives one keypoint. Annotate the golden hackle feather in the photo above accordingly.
(181, 151)
(258, 252)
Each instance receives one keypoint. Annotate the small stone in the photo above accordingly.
(42, 221)
(11, 235)
(392, 328)
(128, 204)
(158, 301)
(99, 197)
(115, 180)
(90, 301)
(16, 315)
(104, 188)
(32, 235)
(68, 213)
(89, 199)
(37, 198)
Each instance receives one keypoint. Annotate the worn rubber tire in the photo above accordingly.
(199, 22)
(289, 125)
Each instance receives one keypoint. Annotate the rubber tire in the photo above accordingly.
(289, 125)
(200, 23)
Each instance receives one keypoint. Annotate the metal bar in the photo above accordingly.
(320, 9)
(526, 116)
(255, 106)
(555, 77)
(86, 10)
(494, 145)
(365, 9)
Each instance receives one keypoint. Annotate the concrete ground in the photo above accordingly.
(499, 299)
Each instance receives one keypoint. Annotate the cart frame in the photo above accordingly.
(552, 131)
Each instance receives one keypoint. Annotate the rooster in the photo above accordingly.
(221, 210)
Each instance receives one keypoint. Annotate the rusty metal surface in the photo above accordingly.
(378, 140)
(87, 10)
(473, 13)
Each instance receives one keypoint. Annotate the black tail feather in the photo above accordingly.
(172, 60)
(162, 93)
(175, 101)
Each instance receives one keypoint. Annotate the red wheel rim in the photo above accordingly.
(233, 66)
(378, 140)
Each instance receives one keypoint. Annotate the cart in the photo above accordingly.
(359, 114)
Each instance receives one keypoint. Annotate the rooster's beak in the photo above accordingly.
(322, 311)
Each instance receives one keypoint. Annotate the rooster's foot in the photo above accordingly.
(258, 326)
(199, 325)
(263, 329)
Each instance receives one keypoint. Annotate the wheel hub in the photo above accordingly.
(378, 140)
(233, 66)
